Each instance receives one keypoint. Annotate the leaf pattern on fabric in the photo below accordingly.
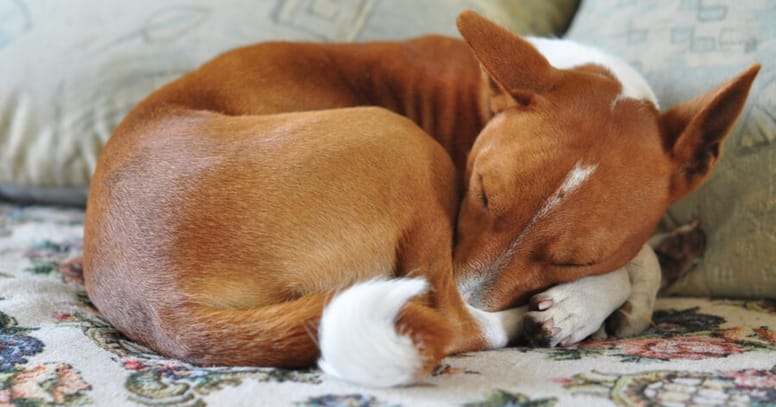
(502, 398)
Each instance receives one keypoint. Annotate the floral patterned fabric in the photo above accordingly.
(55, 349)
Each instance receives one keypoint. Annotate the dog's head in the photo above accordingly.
(577, 165)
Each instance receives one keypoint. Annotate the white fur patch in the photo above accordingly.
(498, 328)
(574, 179)
(565, 54)
(358, 337)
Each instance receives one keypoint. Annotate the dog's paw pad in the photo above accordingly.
(537, 333)
(549, 324)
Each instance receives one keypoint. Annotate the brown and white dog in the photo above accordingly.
(257, 211)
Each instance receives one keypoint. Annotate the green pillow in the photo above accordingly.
(72, 69)
(685, 47)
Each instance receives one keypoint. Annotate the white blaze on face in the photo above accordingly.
(574, 179)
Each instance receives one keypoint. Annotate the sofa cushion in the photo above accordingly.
(71, 70)
(685, 47)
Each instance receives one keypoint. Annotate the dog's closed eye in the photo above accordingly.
(483, 195)
(484, 198)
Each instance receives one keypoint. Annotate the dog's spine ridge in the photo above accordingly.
(358, 338)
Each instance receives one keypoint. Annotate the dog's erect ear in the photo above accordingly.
(510, 61)
(693, 131)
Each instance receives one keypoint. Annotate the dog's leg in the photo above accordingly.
(570, 312)
(635, 315)
(676, 252)
(392, 332)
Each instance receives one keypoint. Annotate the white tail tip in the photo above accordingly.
(358, 337)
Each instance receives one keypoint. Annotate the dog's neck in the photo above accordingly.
(435, 81)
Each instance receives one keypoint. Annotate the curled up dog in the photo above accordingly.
(375, 207)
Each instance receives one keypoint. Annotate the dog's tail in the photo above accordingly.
(374, 333)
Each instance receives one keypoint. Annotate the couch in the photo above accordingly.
(71, 70)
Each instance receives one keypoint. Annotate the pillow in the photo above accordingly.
(685, 47)
(72, 69)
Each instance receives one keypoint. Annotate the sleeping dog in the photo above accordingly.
(376, 207)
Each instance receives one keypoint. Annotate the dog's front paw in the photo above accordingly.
(558, 317)
(635, 315)
(570, 312)
(631, 319)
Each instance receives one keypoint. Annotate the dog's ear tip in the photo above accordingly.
(751, 72)
(746, 77)
(754, 69)
(468, 13)
(467, 16)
